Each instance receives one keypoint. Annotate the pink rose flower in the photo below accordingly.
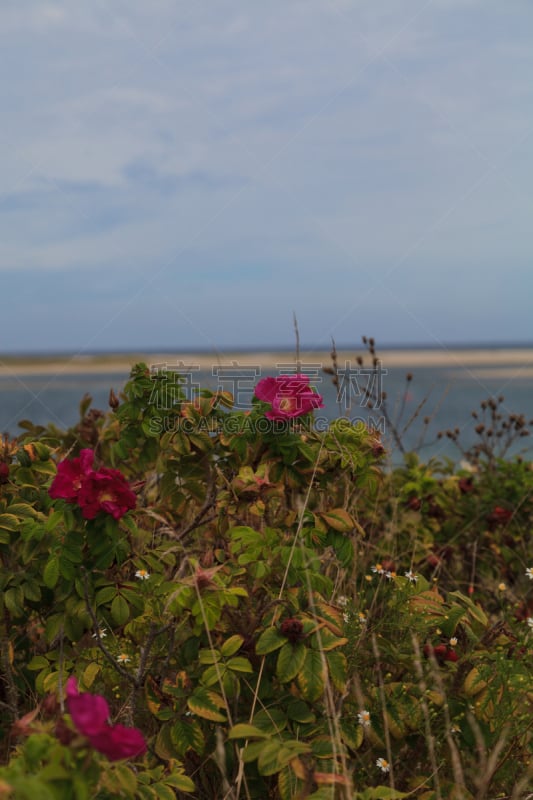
(89, 712)
(90, 715)
(106, 490)
(289, 395)
(70, 476)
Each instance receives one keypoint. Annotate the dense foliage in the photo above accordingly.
(262, 606)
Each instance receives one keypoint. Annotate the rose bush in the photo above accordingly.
(273, 614)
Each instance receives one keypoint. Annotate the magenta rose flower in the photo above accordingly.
(90, 715)
(70, 476)
(289, 396)
(89, 712)
(118, 742)
(105, 490)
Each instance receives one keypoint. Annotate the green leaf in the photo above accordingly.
(239, 664)
(231, 645)
(53, 521)
(186, 734)
(90, 673)
(275, 755)
(38, 662)
(325, 640)
(105, 594)
(164, 792)
(270, 720)
(300, 712)
(14, 601)
(126, 778)
(32, 590)
(244, 731)
(207, 704)
(180, 781)
(312, 677)
(9, 522)
(252, 751)
(271, 758)
(352, 734)
(338, 669)
(269, 641)
(291, 658)
(120, 611)
(21, 509)
(338, 519)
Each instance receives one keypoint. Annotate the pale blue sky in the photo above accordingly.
(187, 174)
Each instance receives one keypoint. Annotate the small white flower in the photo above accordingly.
(383, 764)
(142, 574)
(378, 568)
(342, 600)
(530, 622)
(390, 575)
(123, 658)
(346, 617)
(101, 633)
(411, 576)
(362, 618)
(453, 641)
(529, 573)
(363, 718)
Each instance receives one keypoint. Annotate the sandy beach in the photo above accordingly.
(487, 361)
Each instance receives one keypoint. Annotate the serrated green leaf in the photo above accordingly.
(338, 519)
(208, 656)
(120, 611)
(239, 664)
(105, 594)
(231, 645)
(21, 510)
(186, 734)
(126, 777)
(180, 781)
(324, 640)
(290, 661)
(90, 673)
(14, 600)
(338, 669)
(9, 522)
(270, 720)
(299, 711)
(270, 758)
(352, 734)
(164, 792)
(245, 731)
(37, 663)
(275, 755)
(207, 704)
(312, 677)
(252, 751)
(269, 641)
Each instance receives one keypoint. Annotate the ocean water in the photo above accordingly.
(444, 395)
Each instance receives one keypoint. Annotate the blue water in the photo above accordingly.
(450, 396)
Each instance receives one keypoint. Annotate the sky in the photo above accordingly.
(188, 175)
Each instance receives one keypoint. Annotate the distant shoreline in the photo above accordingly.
(409, 359)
